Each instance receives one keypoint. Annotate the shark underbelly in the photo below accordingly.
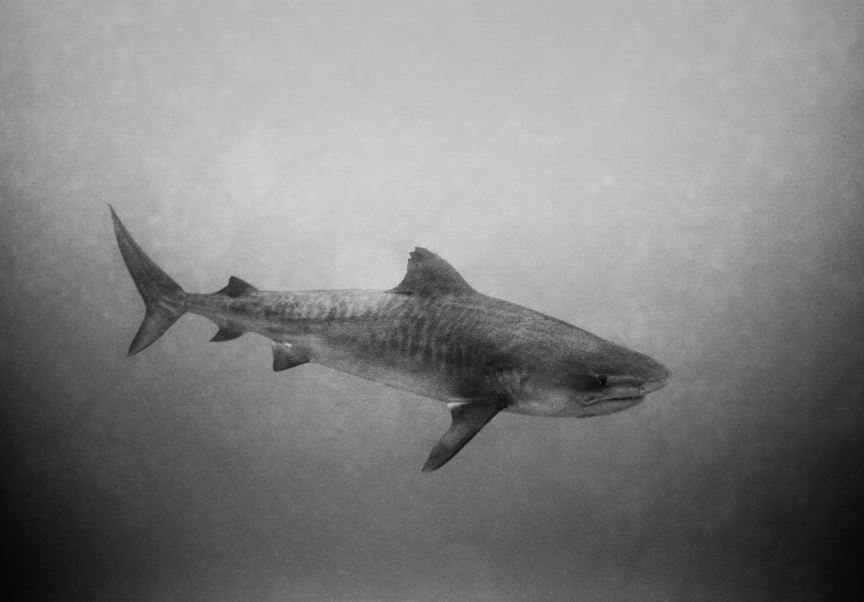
(397, 371)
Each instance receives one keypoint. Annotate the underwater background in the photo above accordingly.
(683, 178)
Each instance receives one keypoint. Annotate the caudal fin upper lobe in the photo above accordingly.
(162, 296)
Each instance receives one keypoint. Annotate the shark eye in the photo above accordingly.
(601, 378)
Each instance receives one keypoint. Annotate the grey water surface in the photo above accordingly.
(683, 178)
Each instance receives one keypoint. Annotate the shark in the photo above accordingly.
(432, 335)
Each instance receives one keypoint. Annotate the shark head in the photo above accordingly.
(593, 378)
(613, 386)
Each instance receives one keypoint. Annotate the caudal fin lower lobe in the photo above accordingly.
(162, 296)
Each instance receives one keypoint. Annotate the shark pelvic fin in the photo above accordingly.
(430, 275)
(468, 418)
(226, 333)
(285, 356)
(236, 288)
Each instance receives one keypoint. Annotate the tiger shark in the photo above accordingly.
(432, 335)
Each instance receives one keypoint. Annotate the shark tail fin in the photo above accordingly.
(163, 298)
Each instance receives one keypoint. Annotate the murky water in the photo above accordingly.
(686, 179)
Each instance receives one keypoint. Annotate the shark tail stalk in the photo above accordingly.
(164, 299)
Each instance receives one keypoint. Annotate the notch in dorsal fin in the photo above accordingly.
(430, 275)
(237, 288)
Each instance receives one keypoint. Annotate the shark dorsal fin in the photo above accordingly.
(430, 275)
(237, 288)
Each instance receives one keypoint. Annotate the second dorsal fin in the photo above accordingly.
(430, 275)
(237, 288)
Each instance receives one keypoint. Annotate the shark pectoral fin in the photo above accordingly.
(468, 418)
(226, 333)
(286, 356)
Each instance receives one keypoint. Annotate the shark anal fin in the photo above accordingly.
(226, 333)
(236, 288)
(468, 418)
(286, 356)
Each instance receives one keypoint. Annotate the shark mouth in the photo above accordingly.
(608, 399)
(633, 394)
(630, 393)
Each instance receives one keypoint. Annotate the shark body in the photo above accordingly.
(432, 335)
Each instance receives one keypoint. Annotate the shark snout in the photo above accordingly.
(655, 384)
(651, 386)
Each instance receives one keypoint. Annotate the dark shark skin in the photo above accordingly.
(432, 335)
